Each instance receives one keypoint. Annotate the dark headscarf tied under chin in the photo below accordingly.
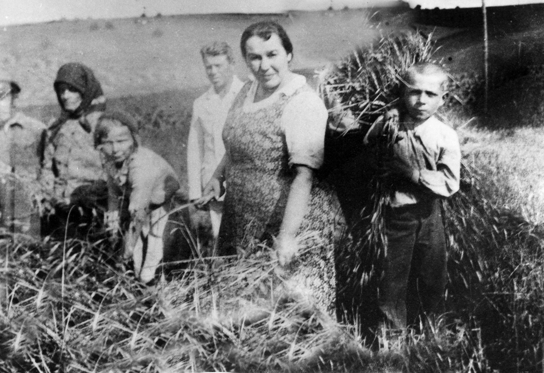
(83, 80)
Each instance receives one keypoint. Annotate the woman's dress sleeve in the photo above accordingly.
(304, 121)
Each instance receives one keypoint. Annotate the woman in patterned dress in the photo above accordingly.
(274, 139)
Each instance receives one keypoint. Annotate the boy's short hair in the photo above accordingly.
(217, 48)
(426, 68)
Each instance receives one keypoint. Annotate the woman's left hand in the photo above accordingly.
(286, 249)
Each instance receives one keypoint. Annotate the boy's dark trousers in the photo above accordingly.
(414, 268)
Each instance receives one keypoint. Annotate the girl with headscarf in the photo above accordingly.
(72, 166)
(141, 190)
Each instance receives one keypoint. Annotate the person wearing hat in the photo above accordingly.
(21, 143)
(141, 196)
(72, 167)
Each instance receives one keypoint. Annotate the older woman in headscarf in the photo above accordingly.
(142, 187)
(72, 167)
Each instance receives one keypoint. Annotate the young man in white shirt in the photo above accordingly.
(205, 147)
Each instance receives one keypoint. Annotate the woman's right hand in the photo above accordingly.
(213, 190)
(286, 249)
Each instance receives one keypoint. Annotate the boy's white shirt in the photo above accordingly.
(205, 147)
(439, 145)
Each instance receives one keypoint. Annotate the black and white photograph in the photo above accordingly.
(271, 186)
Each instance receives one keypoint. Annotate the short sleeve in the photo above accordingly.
(304, 121)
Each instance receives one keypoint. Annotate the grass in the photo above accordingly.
(73, 308)
(495, 228)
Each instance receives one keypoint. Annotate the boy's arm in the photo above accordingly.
(374, 132)
(391, 116)
(444, 181)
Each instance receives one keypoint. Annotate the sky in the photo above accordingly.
(32, 11)
(431, 4)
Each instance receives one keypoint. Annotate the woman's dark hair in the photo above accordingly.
(264, 30)
(124, 119)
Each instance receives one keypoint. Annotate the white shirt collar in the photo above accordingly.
(297, 82)
(288, 89)
(236, 83)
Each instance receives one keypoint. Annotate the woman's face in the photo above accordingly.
(267, 60)
(71, 99)
(118, 144)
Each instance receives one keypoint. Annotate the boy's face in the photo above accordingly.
(423, 95)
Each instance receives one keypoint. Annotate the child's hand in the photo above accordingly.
(392, 115)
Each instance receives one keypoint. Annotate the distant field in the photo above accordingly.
(140, 56)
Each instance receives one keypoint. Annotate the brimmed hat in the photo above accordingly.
(6, 77)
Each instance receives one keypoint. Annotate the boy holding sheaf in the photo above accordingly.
(425, 168)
